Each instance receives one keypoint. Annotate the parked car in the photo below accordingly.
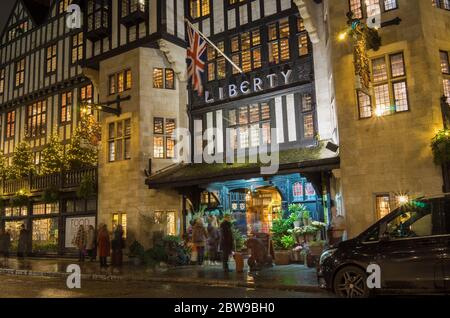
(411, 246)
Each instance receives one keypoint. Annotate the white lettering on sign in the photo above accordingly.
(246, 87)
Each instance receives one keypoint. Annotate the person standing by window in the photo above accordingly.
(118, 244)
(104, 246)
(91, 243)
(199, 236)
(80, 242)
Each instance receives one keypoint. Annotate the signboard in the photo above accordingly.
(72, 225)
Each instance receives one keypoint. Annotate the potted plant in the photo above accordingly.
(306, 217)
(296, 213)
(319, 226)
(136, 254)
(309, 233)
(283, 256)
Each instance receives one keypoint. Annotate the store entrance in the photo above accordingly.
(257, 209)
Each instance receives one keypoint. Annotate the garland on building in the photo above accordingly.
(22, 162)
(83, 148)
(3, 166)
(53, 159)
(440, 146)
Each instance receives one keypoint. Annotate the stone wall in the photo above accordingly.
(122, 184)
(390, 154)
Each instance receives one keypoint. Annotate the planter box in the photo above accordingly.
(282, 257)
(316, 250)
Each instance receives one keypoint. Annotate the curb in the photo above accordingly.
(179, 280)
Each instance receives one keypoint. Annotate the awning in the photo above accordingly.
(302, 160)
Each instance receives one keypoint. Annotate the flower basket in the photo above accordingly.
(282, 257)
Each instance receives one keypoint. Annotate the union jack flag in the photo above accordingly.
(196, 59)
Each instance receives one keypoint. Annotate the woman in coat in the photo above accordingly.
(213, 239)
(80, 242)
(117, 246)
(91, 243)
(199, 236)
(104, 245)
(22, 247)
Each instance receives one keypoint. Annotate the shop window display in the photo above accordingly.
(14, 228)
(45, 235)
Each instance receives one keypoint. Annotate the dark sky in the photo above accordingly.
(5, 9)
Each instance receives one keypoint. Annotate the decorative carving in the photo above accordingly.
(307, 12)
(177, 61)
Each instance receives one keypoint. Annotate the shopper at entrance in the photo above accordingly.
(5, 243)
(104, 245)
(91, 243)
(199, 236)
(337, 232)
(22, 247)
(118, 244)
(226, 241)
(79, 242)
(213, 239)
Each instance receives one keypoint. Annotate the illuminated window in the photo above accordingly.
(51, 59)
(45, 235)
(45, 208)
(390, 87)
(361, 8)
(249, 126)
(302, 37)
(77, 47)
(97, 14)
(308, 126)
(442, 4)
(10, 124)
(279, 41)
(120, 82)
(2, 81)
(383, 205)
(163, 138)
(120, 219)
(65, 113)
(16, 211)
(132, 6)
(246, 51)
(171, 228)
(445, 68)
(36, 119)
(17, 30)
(63, 4)
(20, 73)
(232, 2)
(119, 140)
(163, 78)
(199, 8)
(216, 63)
(86, 98)
(365, 105)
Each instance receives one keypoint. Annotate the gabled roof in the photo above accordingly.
(38, 9)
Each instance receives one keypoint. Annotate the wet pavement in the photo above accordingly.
(291, 277)
(46, 287)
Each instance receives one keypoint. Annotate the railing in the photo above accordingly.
(61, 181)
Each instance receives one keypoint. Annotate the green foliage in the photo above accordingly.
(50, 195)
(239, 239)
(53, 159)
(86, 188)
(83, 148)
(297, 212)
(287, 242)
(21, 198)
(136, 249)
(3, 166)
(280, 228)
(440, 146)
(22, 162)
(306, 214)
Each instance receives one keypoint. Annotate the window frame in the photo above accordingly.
(10, 127)
(19, 71)
(164, 83)
(77, 49)
(2, 80)
(440, 4)
(165, 136)
(363, 7)
(36, 122)
(66, 109)
(52, 59)
(278, 40)
(123, 138)
(116, 79)
(200, 4)
(445, 75)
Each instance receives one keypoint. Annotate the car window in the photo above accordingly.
(411, 223)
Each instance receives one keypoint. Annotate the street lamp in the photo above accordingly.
(105, 107)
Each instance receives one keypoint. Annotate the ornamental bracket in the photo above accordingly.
(106, 107)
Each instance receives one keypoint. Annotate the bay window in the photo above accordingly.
(36, 119)
(246, 51)
(163, 138)
(199, 8)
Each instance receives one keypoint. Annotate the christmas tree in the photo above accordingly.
(3, 165)
(53, 159)
(22, 161)
(83, 148)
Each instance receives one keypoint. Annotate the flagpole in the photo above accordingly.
(214, 46)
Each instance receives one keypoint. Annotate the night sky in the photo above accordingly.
(5, 10)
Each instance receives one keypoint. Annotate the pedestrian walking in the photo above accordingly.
(79, 241)
(226, 241)
(91, 243)
(104, 246)
(22, 247)
(213, 239)
(118, 244)
(199, 236)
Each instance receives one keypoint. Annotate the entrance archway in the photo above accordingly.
(263, 206)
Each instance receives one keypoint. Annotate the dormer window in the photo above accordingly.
(133, 11)
(97, 19)
(18, 30)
